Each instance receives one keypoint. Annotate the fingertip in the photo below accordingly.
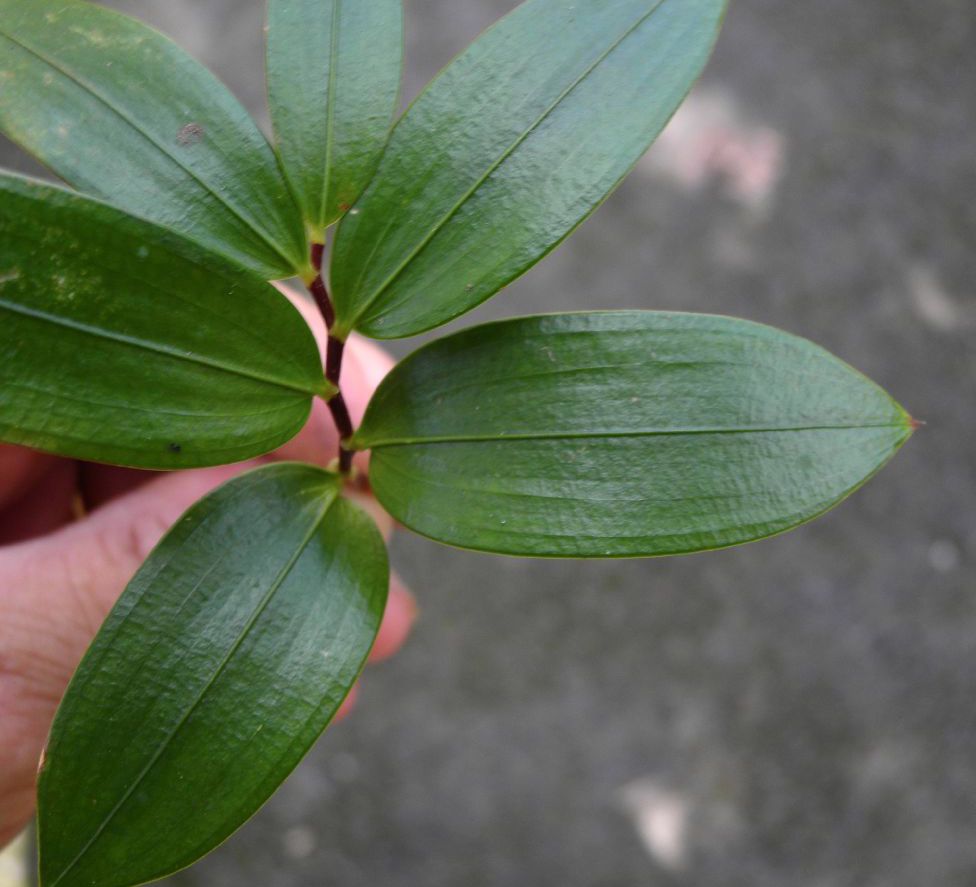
(348, 704)
(317, 442)
(102, 552)
(368, 503)
(398, 620)
(374, 361)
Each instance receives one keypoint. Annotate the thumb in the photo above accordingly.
(75, 576)
(56, 591)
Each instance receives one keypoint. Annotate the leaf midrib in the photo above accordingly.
(439, 225)
(249, 225)
(598, 435)
(330, 110)
(154, 347)
(258, 611)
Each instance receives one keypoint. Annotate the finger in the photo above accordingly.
(398, 620)
(20, 468)
(47, 505)
(401, 606)
(99, 484)
(56, 592)
(89, 563)
(401, 611)
(366, 364)
(373, 508)
(317, 442)
(348, 704)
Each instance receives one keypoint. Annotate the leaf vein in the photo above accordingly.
(597, 435)
(158, 348)
(330, 109)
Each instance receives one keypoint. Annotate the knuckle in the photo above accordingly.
(137, 538)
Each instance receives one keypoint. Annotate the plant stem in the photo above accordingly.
(337, 404)
(335, 349)
(317, 287)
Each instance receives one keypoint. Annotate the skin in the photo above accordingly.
(60, 573)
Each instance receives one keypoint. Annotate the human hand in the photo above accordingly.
(60, 573)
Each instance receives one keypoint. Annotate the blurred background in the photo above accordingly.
(800, 711)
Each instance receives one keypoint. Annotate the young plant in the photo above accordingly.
(138, 327)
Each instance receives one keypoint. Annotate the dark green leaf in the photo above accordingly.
(333, 83)
(222, 662)
(120, 112)
(122, 342)
(622, 433)
(508, 150)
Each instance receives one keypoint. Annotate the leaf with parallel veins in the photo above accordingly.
(333, 84)
(510, 148)
(222, 662)
(616, 434)
(120, 112)
(123, 342)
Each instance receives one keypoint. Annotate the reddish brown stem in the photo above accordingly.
(337, 405)
(333, 361)
(317, 287)
(340, 415)
(321, 296)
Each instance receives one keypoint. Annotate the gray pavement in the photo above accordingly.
(801, 711)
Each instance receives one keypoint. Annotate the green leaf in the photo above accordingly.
(333, 85)
(121, 112)
(622, 434)
(222, 662)
(122, 342)
(508, 150)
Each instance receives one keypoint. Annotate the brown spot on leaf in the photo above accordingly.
(190, 134)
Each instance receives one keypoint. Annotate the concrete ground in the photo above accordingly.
(801, 711)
